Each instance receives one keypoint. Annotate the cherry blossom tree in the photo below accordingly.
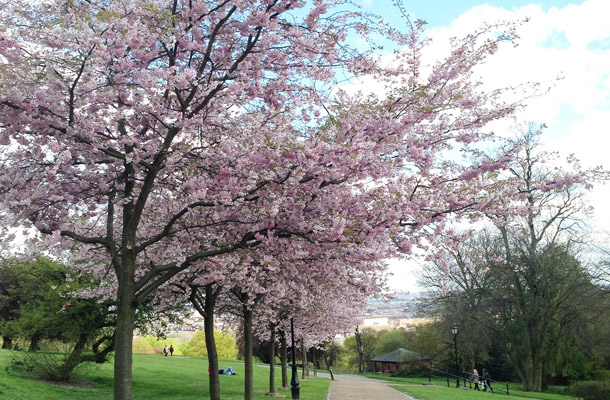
(261, 296)
(322, 303)
(110, 109)
(154, 135)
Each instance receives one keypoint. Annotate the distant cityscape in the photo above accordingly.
(400, 312)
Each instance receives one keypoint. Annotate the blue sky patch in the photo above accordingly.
(439, 13)
(601, 44)
(556, 40)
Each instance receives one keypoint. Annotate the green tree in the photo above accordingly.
(433, 340)
(9, 304)
(50, 308)
(389, 340)
(225, 345)
(523, 282)
(157, 343)
(331, 352)
(584, 350)
(141, 346)
(368, 340)
(539, 313)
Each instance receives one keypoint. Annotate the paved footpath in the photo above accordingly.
(354, 387)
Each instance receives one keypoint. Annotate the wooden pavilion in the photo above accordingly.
(400, 359)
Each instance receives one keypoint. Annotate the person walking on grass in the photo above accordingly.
(165, 350)
(171, 350)
(474, 377)
(487, 381)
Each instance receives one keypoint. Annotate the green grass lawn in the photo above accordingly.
(445, 393)
(155, 377)
(419, 388)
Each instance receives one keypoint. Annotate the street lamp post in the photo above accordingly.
(294, 380)
(454, 330)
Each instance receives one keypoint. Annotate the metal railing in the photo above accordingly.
(464, 380)
(443, 375)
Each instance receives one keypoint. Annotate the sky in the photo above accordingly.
(565, 45)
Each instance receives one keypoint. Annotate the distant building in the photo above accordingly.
(376, 322)
(407, 324)
(400, 359)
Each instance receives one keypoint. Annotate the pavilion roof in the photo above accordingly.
(400, 355)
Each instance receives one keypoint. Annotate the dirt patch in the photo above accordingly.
(274, 395)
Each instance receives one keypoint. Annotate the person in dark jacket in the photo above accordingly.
(487, 381)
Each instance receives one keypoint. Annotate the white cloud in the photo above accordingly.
(404, 275)
(572, 43)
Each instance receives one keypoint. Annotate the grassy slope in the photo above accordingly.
(445, 393)
(155, 377)
(414, 387)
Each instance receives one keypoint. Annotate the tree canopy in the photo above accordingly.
(522, 283)
(160, 136)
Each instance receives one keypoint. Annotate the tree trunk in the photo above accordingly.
(522, 365)
(306, 364)
(249, 378)
(529, 364)
(73, 360)
(544, 381)
(34, 342)
(537, 377)
(304, 357)
(126, 316)
(210, 342)
(315, 369)
(284, 358)
(528, 384)
(360, 351)
(7, 342)
(518, 368)
(272, 362)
